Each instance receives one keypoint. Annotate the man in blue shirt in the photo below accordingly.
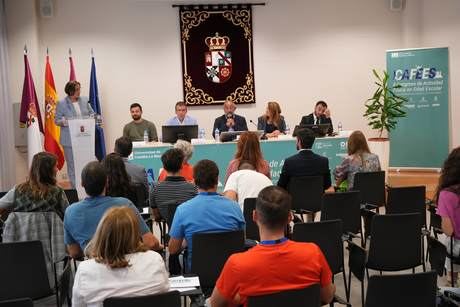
(81, 218)
(206, 212)
(181, 117)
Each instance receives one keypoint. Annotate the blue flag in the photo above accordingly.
(94, 101)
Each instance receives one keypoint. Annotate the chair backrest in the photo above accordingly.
(72, 195)
(306, 192)
(172, 207)
(328, 236)
(20, 302)
(407, 200)
(168, 299)
(437, 253)
(343, 206)
(309, 296)
(395, 242)
(211, 251)
(252, 231)
(23, 270)
(400, 290)
(371, 186)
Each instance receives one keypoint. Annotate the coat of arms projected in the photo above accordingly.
(217, 61)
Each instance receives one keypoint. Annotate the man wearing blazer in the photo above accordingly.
(230, 121)
(305, 162)
(72, 106)
(321, 115)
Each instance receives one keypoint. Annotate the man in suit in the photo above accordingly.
(124, 147)
(230, 121)
(321, 115)
(305, 162)
(72, 106)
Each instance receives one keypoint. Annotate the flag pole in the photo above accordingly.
(47, 51)
(25, 49)
(92, 53)
(70, 51)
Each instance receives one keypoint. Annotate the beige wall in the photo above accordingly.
(303, 51)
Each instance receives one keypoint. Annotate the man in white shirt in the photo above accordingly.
(181, 117)
(246, 182)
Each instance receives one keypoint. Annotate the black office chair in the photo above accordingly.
(328, 236)
(407, 200)
(402, 290)
(437, 254)
(343, 206)
(72, 195)
(309, 296)
(210, 252)
(23, 270)
(306, 193)
(141, 196)
(252, 231)
(371, 186)
(20, 302)
(168, 299)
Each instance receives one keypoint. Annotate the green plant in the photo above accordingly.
(384, 107)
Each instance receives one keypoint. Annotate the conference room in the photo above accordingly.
(349, 107)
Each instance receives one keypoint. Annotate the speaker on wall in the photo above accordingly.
(397, 5)
(46, 8)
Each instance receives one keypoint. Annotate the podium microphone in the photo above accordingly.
(252, 122)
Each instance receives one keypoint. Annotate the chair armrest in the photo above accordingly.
(369, 206)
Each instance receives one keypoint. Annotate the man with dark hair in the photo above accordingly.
(181, 117)
(206, 212)
(81, 218)
(321, 115)
(174, 189)
(268, 267)
(136, 129)
(305, 162)
(124, 147)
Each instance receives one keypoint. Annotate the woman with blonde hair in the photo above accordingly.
(39, 193)
(359, 159)
(119, 264)
(272, 122)
(248, 149)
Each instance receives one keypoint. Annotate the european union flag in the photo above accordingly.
(94, 101)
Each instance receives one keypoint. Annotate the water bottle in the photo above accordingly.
(201, 134)
(146, 136)
(287, 130)
(339, 127)
(217, 135)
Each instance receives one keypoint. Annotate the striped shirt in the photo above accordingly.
(174, 189)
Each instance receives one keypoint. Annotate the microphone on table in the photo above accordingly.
(263, 137)
(252, 122)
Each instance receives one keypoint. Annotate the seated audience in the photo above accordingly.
(174, 189)
(305, 162)
(118, 182)
(272, 122)
(276, 264)
(137, 173)
(39, 192)
(119, 263)
(206, 212)
(248, 149)
(321, 115)
(230, 121)
(81, 218)
(186, 170)
(360, 159)
(448, 200)
(245, 183)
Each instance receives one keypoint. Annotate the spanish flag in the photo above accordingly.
(52, 131)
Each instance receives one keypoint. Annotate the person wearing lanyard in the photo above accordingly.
(267, 267)
(72, 106)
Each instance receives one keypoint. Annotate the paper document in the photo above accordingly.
(184, 282)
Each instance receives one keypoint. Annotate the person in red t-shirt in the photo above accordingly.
(268, 267)
(186, 170)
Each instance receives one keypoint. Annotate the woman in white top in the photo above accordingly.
(119, 264)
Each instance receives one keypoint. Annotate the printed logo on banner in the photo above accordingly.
(218, 60)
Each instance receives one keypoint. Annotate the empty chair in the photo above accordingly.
(210, 252)
(407, 200)
(309, 296)
(371, 186)
(72, 195)
(252, 231)
(168, 299)
(343, 206)
(306, 193)
(328, 236)
(402, 290)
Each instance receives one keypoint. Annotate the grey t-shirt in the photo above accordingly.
(135, 131)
